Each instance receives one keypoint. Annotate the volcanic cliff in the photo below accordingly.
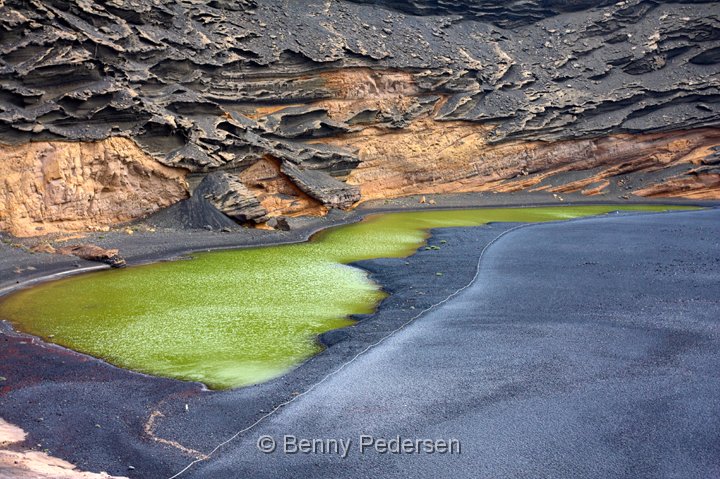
(114, 109)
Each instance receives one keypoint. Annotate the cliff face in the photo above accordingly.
(49, 187)
(319, 104)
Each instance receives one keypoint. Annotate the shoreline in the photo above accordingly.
(324, 340)
(635, 321)
(153, 420)
(252, 238)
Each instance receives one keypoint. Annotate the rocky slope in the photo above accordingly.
(306, 106)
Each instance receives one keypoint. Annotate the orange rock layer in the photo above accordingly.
(277, 193)
(50, 187)
(701, 186)
(450, 157)
(53, 187)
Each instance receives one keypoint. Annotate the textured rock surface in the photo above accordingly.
(228, 85)
(277, 192)
(613, 165)
(322, 186)
(229, 195)
(49, 187)
(93, 252)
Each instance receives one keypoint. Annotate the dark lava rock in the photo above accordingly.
(279, 223)
(228, 194)
(184, 78)
(218, 202)
(322, 186)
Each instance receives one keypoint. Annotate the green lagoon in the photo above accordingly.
(239, 317)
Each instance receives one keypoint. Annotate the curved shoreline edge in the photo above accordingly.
(244, 239)
(369, 347)
(104, 446)
(435, 234)
(599, 352)
(325, 339)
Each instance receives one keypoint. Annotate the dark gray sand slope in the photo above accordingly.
(584, 349)
(73, 392)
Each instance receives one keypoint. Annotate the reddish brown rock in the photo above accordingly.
(92, 252)
(277, 193)
(702, 186)
(446, 157)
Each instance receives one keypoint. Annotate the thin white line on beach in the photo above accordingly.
(354, 358)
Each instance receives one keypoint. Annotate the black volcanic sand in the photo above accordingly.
(584, 349)
(94, 414)
(73, 392)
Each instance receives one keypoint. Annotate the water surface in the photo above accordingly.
(238, 317)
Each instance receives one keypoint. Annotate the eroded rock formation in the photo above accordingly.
(93, 252)
(641, 164)
(318, 104)
(230, 195)
(48, 187)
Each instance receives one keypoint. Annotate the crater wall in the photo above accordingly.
(337, 102)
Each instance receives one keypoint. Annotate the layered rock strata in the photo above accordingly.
(314, 103)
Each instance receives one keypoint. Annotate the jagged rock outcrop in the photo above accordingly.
(229, 195)
(277, 192)
(221, 85)
(93, 252)
(321, 186)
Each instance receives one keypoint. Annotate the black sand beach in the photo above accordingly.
(584, 349)
(102, 418)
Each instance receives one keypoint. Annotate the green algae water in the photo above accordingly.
(239, 317)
